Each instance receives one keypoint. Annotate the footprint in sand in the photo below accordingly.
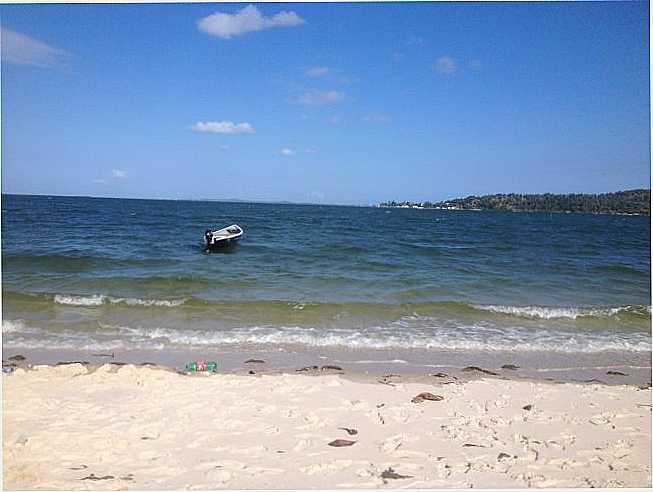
(219, 476)
(391, 444)
(302, 444)
(602, 418)
(323, 468)
(501, 403)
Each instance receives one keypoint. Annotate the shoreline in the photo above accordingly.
(120, 427)
(410, 365)
(517, 211)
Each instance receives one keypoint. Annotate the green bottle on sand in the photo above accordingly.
(201, 366)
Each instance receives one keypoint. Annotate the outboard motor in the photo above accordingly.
(208, 235)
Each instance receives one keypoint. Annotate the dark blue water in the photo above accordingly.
(113, 272)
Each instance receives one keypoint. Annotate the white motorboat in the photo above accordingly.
(222, 237)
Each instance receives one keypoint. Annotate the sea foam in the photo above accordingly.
(12, 326)
(542, 312)
(459, 338)
(476, 338)
(98, 300)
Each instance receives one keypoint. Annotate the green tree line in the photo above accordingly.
(620, 202)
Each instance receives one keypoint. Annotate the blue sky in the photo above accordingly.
(333, 103)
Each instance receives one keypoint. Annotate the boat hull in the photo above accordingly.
(222, 243)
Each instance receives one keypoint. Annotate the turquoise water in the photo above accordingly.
(101, 274)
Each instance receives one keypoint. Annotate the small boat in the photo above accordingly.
(222, 237)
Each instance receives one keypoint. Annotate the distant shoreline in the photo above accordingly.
(517, 211)
(628, 202)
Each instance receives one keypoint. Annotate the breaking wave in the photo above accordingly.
(437, 309)
(401, 334)
(98, 300)
(541, 312)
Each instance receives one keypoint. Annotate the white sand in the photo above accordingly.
(146, 428)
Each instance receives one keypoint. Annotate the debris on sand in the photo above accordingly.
(93, 477)
(427, 396)
(393, 475)
(339, 443)
(478, 369)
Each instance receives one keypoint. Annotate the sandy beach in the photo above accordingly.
(119, 427)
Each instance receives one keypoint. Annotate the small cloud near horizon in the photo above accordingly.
(317, 98)
(21, 49)
(118, 174)
(316, 195)
(223, 127)
(248, 19)
(445, 65)
(287, 151)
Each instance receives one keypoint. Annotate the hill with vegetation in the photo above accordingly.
(620, 202)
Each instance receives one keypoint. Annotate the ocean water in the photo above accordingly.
(119, 274)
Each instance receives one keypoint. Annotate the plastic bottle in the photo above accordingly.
(201, 366)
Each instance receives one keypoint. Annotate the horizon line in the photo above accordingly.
(224, 200)
(288, 202)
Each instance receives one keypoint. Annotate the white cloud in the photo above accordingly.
(224, 147)
(316, 196)
(23, 50)
(315, 97)
(475, 65)
(226, 127)
(287, 151)
(414, 41)
(99, 181)
(377, 118)
(317, 72)
(445, 65)
(249, 19)
(118, 174)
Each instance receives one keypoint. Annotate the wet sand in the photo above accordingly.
(606, 368)
(118, 427)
